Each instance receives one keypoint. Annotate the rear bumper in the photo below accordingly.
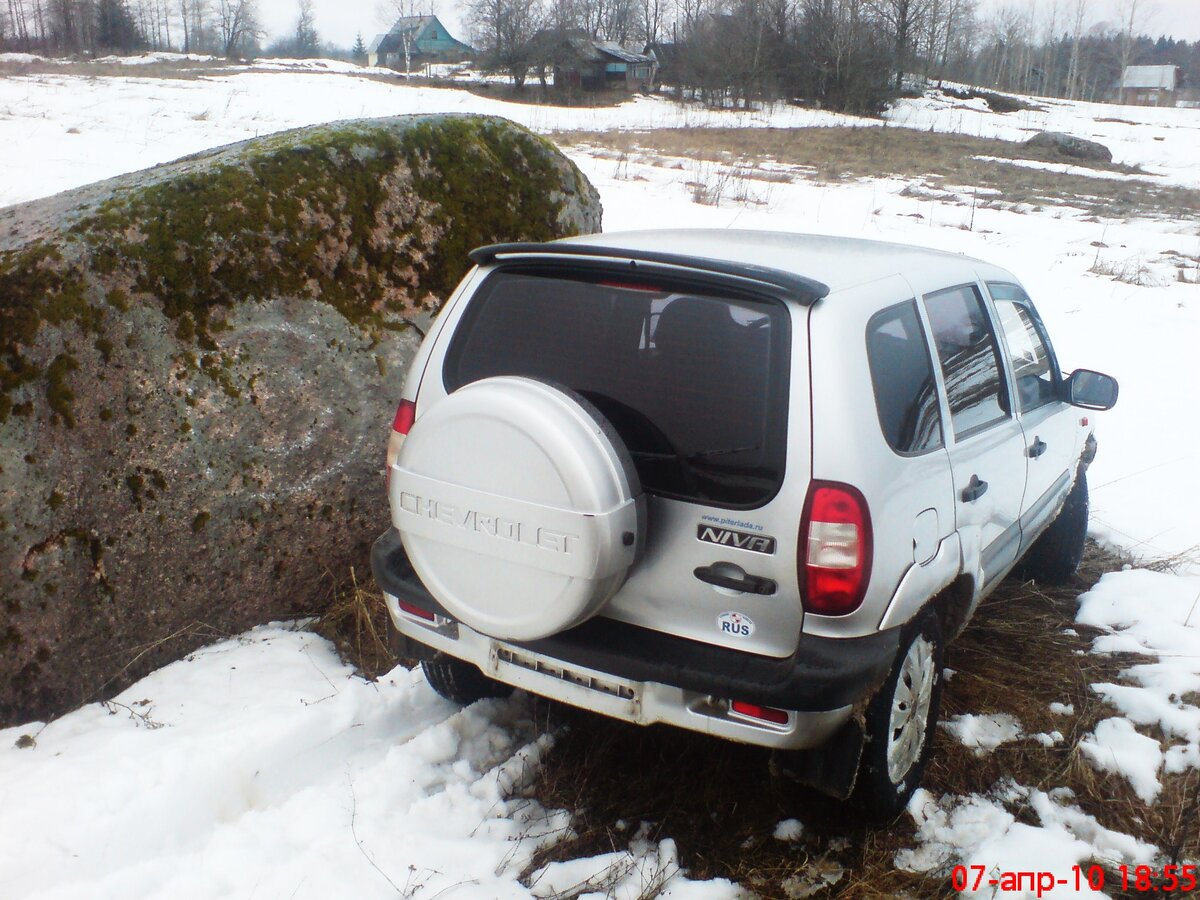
(644, 676)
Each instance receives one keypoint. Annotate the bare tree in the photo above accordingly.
(237, 23)
(652, 15)
(1073, 78)
(1133, 18)
(904, 20)
(503, 28)
(307, 42)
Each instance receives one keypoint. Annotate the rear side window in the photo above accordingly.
(902, 373)
(970, 360)
(695, 383)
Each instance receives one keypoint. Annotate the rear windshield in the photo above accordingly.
(695, 383)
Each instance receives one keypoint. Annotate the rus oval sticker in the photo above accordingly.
(735, 624)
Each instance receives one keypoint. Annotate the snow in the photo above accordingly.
(979, 831)
(788, 830)
(264, 762)
(263, 765)
(983, 733)
(1116, 746)
(1068, 169)
(1156, 615)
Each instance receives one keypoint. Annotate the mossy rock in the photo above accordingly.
(197, 367)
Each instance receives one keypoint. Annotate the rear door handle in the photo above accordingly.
(974, 490)
(1037, 448)
(749, 584)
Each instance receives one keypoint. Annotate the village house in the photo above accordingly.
(579, 61)
(1149, 86)
(414, 41)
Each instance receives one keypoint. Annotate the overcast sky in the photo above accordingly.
(339, 20)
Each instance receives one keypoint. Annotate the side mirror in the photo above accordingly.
(1091, 390)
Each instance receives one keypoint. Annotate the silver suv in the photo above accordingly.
(743, 483)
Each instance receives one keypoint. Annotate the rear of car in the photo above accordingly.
(704, 377)
(700, 489)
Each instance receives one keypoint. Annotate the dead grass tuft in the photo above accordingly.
(356, 622)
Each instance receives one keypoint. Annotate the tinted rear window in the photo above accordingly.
(695, 383)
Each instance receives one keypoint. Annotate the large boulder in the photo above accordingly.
(1058, 144)
(198, 368)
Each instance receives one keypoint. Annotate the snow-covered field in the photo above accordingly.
(264, 767)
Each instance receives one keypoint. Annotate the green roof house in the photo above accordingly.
(414, 41)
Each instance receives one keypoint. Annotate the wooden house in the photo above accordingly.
(580, 61)
(1149, 85)
(414, 41)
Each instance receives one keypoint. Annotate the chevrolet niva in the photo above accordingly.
(743, 483)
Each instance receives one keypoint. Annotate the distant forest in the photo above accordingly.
(853, 55)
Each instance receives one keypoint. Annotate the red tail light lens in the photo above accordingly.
(765, 713)
(405, 413)
(835, 549)
(414, 610)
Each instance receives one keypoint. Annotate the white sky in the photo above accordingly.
(339, 20)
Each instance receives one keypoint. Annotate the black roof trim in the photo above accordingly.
(805, 291)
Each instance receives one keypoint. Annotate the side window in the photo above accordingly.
(1010, 297)
(1032, 368)
(970, 360)
(902, 374)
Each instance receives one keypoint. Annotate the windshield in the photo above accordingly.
(694, 383)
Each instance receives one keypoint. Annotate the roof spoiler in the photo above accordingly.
(805, 291)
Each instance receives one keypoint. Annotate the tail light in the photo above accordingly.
(763, 713)
(413, 610)
(834, 562)
(406, 412)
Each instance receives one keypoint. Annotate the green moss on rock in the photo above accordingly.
(372, 218)
(58, 393)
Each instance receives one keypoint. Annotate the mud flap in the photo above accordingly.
(831, 768)
(404, 647)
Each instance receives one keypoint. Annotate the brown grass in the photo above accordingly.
(837, 154)
(356, 622)
(717, 801)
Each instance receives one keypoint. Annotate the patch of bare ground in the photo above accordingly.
(932, 158)
(182, 69)
(1022, 652)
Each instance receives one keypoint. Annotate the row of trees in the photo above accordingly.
(843, 54)
(848, 54)
(224, 27)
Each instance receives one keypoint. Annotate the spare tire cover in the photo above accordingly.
(518, 506)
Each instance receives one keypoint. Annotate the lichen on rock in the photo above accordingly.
(198, 363)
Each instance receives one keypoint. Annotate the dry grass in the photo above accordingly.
(717, 801)
(189, 69)
(356, 622)
(836, 154)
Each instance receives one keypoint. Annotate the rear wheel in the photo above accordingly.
(460, 682)
(1055, 555)
(900, 721)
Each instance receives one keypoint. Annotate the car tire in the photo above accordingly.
(460, 682)
(1055, 555)
(900, 721)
